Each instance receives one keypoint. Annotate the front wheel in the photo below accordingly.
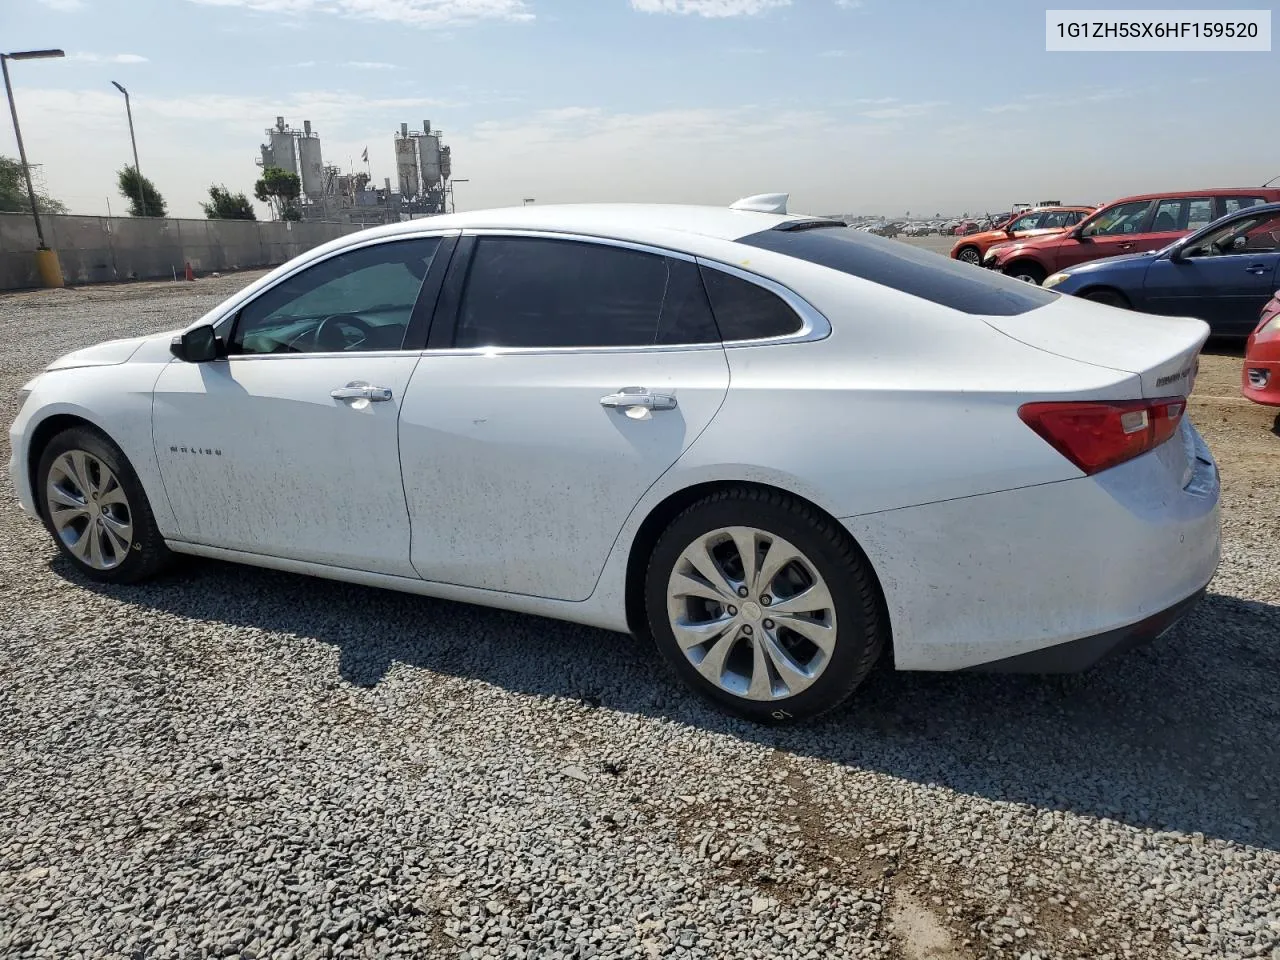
(1025, 271)
(969, 255)
(763, 606)
(93, 504)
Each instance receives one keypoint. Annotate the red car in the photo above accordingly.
(1261, 375)
(1130, 225)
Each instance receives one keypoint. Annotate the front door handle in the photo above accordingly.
(360, 390)
(1126, 246)
(1257, 269)
(629, 397)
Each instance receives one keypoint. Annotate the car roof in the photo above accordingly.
(1206, 192)
(623, 221)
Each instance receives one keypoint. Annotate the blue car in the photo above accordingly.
(1223, 273)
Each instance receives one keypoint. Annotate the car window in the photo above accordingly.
(1181, 214)
(1199, 213)
(359, 300)
(1259, 234)
(910, 269)
(536, 292)
(1236, 204)
(1029, 222)
(1118, 220)
(746, 310)
(1058, 219)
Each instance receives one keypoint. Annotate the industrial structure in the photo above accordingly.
(423, 168)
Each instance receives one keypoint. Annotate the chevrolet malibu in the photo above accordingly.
(775, 445)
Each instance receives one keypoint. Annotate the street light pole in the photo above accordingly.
(142, 203)
(17, 130)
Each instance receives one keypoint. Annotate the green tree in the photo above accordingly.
(225, 205)
(127, 179)
(279, 190)
(13, 191)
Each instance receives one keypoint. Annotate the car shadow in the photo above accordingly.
(1182, 735)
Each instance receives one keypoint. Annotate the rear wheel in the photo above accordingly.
(763, 606)
(1112, 298)
(1025, 271)
(970, 255)
(93, 504)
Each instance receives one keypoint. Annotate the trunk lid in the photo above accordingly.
(1161, 351)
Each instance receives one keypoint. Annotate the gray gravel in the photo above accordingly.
(232, 762)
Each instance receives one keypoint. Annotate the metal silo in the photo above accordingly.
(407, 164)
(311, 170)
(446, 162)
(429, 159)
(282, 154)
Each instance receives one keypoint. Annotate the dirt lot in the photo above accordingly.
(237, 763)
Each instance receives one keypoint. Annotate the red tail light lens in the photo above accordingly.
(1098, 435)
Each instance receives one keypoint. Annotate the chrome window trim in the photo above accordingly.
(813, 325)
(543, 234)
(236, 305)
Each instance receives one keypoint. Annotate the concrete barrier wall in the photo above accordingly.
(107, 249)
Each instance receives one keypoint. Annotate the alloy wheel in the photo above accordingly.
(970, 255)
(89, 511)
(751, 613)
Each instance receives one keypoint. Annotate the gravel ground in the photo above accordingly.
(232, 762)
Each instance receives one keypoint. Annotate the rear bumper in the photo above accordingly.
(1077, 655)
(1096, 561)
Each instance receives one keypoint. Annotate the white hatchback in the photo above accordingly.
(774, 444)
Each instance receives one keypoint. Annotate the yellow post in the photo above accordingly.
(49, 268)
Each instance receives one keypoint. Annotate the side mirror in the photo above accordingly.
(197, 346)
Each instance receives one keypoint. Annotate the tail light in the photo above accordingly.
(1098, 435)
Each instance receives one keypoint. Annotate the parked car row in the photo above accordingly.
(1030, 223)
(1223, 273)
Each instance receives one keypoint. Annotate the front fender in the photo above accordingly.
(113, 399)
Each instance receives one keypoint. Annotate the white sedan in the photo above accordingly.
(774, 444)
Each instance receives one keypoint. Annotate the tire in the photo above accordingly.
(127, 547)
(1112, 298)
(815, 679)
(969, 254)
(1026, 271)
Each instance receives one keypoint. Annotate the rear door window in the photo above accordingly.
(912, 270)
(536, 292)
(1182, 214)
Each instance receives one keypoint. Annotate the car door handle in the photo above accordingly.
(1126, 246)
(1257, 269)
(359, 390)
(639, 397)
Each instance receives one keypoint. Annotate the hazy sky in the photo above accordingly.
(876, 106)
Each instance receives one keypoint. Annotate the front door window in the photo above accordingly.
(356, 301)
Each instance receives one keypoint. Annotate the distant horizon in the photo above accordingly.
(892, 106)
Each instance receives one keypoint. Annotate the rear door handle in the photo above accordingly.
(1258, 269)
(638, 397)
(1126, 246)
(360, 390)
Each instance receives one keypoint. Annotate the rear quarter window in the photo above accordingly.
(900, 266)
